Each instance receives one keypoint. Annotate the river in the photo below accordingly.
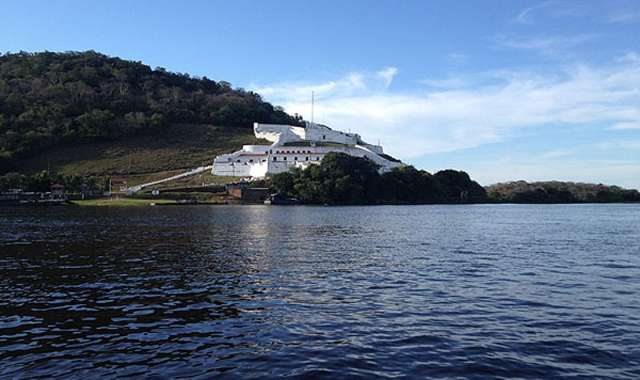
(479, 291)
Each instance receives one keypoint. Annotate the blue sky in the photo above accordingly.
(502, 89)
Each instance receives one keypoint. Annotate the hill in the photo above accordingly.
(559, 192)
(87, 113)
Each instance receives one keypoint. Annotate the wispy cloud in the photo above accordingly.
(415, 123)
(457, 58)
(626, 125)
(344, 86)
(545, 44)
(555, 9)
(609, 12)
(619, 145)
(525, 16)
(555, 153)
(624, 17)
(446, 83)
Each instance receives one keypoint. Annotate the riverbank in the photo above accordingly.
(122, 202)
(141, 202)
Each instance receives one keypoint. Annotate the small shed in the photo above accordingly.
(57, 190)
(248, 194)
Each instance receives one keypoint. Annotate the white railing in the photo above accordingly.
(200, 169)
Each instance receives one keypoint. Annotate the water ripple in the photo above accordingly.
(318, 292)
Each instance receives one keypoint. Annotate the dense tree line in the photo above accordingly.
(343, 179)
(48, 99)
(559, 192)
(42, 182)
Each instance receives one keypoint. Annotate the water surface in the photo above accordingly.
(491, 291)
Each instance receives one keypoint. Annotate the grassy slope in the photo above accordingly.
(147, 158)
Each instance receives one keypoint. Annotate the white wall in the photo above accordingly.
(278, 133)
(258, 160)
(315, 132)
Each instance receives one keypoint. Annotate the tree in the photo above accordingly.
(344, 179)
(459, 187)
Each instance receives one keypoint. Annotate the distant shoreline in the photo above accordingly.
(135, 203)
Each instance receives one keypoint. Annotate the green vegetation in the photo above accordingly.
(42, 181)
(559, 192)
(343, 179)
(64, 101)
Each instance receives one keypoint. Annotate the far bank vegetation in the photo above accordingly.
(559, 192)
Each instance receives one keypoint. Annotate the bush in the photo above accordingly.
(42, 181)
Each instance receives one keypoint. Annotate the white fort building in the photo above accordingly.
(296, 147)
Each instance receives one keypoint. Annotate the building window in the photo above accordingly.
(270, 151)
(306, 158)
(295, 158)
(275, 158)
(284, 158)
(238, 161)
(251, 160)
(324, 137)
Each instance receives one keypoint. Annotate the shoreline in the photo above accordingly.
(132, 202)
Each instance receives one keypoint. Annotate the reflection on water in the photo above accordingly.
(429, 291)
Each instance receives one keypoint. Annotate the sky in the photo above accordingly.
(505, 90)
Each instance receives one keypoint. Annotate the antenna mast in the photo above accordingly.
(312, 101)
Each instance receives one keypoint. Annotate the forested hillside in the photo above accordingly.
(49, 100)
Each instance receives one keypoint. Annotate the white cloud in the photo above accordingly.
(335, 88)
(387, 74)
(414, 123)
